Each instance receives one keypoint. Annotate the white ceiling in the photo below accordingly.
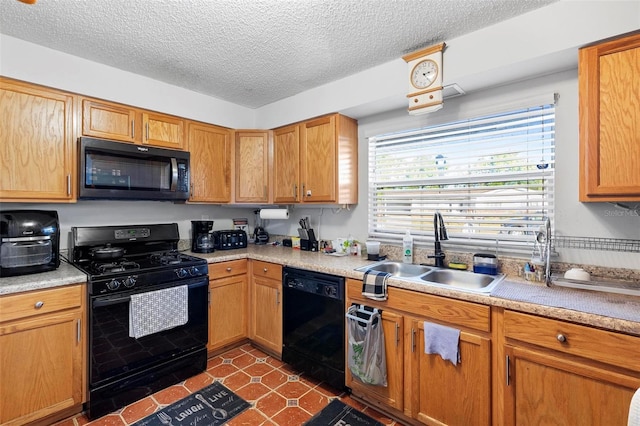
(249, 52)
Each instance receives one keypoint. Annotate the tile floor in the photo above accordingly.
(278, 395)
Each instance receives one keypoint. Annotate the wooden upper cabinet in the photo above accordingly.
(110, 121)
(286, 165)
(329, 160)
(252, 166)
(163, 130)
(36, 143)
(609, 83)
(210, 148)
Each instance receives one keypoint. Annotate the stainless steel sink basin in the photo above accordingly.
(463, 280)
(440, 277)
(397, 269)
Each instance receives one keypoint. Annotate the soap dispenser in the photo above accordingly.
(407, 248)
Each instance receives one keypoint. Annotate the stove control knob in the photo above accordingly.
(181, 273)
(113, 284)
(130, 281)
(193, 271)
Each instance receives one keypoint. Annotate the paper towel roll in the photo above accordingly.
(274, 214)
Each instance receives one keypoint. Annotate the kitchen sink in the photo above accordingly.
(463, 280)
(440, 277)
(397, 269)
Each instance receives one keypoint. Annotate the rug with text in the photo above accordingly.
(337, 413)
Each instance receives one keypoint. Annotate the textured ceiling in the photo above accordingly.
(249, 52)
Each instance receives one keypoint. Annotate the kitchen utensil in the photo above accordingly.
(107, 252)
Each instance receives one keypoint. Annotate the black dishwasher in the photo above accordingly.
(313, 324)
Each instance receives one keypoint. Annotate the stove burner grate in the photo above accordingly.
(167, 258)
(104, 268)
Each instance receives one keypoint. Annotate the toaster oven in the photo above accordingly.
(29, 242)
(230, 239)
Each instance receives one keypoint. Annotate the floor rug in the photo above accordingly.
(211, 406)
(339, 413)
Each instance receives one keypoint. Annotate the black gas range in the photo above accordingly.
(130, 269)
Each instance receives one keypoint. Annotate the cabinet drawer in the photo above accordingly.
(227, 269)
(267, 270)
(40, 302)
(617, 349)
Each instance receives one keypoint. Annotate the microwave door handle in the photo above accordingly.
(174, 174)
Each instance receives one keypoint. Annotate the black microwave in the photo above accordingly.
(124, 171)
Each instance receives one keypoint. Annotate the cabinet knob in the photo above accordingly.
(39, 304)
(229, 269)
(561, 338)
(264, 270)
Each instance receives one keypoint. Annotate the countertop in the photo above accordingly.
(609, 311)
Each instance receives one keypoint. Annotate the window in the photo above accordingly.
(490, 177)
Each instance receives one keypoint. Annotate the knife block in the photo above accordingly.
(309, 245)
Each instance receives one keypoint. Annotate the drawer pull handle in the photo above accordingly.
(229, 269)
(39, 304)
(561, 338)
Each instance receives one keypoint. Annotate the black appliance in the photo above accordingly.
(202, 240)
(29, 242)
(230, 239)
(121, 263)
(116, 170)
(260, 235)
(313, 324)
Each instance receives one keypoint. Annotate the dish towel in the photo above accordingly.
(374, 285)
(442, 340)
(157, 311)
(634, 410)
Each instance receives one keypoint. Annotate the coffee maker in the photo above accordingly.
(202, 240)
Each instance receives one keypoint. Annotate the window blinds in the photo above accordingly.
(491, 177)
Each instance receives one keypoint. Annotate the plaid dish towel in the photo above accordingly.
(374, 285)
(156, 311)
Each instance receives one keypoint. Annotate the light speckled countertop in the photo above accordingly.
(609, 311)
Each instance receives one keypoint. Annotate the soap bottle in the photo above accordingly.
(407, 248)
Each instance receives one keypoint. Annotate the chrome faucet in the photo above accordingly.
(440, 233)
(547, 252)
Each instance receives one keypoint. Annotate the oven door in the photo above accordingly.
(114, 354)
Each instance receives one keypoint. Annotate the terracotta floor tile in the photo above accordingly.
(291, 416)
(352, 402)
(378, 416)
(252, 391)
(313, 401)
(257, 352)
(237, 380)
(198, 382)
(67, 422)
(222, 370)
(274, 379)
(244, 360)
(271, 404)
(275, 362)
(215, 361)
(170, 394)
(293, 389)
(258, 369)
(250, 417)
(139, 410)
(108, 420)
(230, 354)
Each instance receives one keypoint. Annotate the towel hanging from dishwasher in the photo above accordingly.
(366, 354)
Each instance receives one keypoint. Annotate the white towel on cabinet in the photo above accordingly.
(156, 311)
(442, 340)
(634, 410)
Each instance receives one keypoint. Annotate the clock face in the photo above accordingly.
(424, 74)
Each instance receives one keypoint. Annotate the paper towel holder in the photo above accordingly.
(276, 213)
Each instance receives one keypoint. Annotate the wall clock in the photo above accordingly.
(425, 79)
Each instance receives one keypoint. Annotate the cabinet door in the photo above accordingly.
(36, 143)
(286, 165)
(266, 313)
(609, 83)
(228, 311)
(318, 160)
(210, 149)
(252, 167)
(40, 367)
(391, 395)
(110, 121)
(163, 130)
(545, 389)
(447, 394)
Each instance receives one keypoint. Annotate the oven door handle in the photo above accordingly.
(98, 303)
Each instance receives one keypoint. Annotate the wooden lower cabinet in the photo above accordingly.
(566, 374)
(421, 387)
(228, 303)
(42, 361)
(266, 306)
(447, 394)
